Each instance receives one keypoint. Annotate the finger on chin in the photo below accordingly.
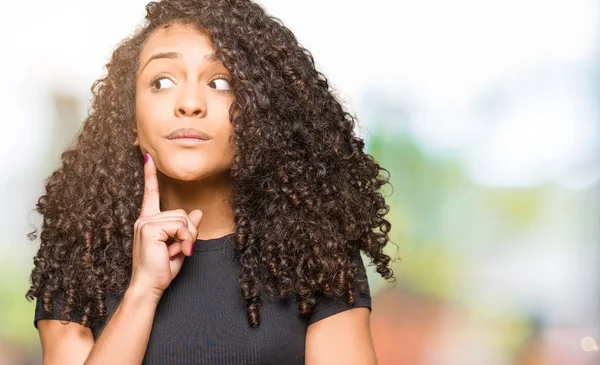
(151, 198)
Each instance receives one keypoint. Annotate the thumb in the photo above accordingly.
(195, 216)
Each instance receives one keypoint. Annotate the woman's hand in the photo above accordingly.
(155, 264)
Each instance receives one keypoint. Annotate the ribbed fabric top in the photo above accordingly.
(201, 317)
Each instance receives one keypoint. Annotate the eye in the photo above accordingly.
(221, 83)
(161, 83)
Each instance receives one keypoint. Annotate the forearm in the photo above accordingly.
(125, 337)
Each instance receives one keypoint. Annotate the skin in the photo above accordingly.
(192, 184)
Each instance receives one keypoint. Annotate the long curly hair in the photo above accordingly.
(305, 195)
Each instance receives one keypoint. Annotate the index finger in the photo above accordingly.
(151, 199)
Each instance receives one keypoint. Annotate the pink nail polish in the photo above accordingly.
(192, 250)
(145, 158)
(173, 257)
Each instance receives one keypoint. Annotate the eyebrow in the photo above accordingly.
(210, 58)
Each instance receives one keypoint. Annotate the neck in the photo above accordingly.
(210, 196)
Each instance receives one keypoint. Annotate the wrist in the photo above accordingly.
(140, 294)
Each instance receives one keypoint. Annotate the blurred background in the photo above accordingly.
(486, 114)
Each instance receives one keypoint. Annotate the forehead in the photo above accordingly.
(177, 38)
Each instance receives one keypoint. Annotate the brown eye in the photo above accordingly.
(162, 83)
(221, 84)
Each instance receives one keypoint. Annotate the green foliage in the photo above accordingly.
(440, 217)
(16, 322)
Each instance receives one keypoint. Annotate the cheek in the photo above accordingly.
(231, 148)
(228, 138)
(225, 127)
(224, 147)
(148, 112)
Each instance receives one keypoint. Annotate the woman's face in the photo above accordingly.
(182, 105)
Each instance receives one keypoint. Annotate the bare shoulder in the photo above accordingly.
(64, 343)
(343, 338)
(348, 319)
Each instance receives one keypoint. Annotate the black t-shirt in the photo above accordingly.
(201, 317)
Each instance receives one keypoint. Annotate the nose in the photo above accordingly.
(190, 102)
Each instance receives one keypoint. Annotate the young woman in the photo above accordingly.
(214, 207)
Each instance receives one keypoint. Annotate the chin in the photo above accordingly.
(192, 167)
(182, 169)
(188, 177)
(188, 174)
(191, 173)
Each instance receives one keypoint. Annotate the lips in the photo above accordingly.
(188, 133)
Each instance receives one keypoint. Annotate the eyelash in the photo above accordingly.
(224, 77)
(156, 78)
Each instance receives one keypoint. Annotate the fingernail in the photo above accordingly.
(192, 250)
(145, 158)
(173, 257)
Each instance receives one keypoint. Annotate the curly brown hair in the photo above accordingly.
(306, 196)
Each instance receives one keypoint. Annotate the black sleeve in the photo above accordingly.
(40, 313)
(328, 306)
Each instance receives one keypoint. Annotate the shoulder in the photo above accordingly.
(327, 306)
(339, 332)
(343, 338)
(64, 342)
(74, 316)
